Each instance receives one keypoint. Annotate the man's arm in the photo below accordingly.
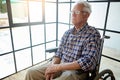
(63, 66)
(56, 60)
(69, 66)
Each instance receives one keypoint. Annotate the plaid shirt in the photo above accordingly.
(82, 47)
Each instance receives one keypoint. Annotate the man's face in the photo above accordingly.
(78, 15)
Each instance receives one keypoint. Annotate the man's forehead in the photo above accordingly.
(78, 6)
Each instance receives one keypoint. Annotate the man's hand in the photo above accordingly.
(53, 68)
(49, 76)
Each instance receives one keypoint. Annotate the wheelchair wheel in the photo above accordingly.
(106, 74)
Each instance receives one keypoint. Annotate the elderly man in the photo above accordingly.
(77, 53)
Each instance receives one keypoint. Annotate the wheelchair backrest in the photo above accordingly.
(93, 73)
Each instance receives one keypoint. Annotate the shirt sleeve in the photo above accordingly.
(90, 53)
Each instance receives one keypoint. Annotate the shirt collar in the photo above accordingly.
(77, 31)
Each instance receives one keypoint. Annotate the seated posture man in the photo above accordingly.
(77, 53)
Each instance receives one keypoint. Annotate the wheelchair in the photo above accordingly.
(106, 74)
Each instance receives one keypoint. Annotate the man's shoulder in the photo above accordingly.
(92, 29)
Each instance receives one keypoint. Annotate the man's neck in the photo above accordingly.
(78, 27)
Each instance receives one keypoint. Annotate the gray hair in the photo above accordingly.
(87, 7)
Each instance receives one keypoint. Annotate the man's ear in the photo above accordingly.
(86, 15)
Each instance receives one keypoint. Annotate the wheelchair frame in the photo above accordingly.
(95, 74)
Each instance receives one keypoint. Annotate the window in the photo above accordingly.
(38, 54)
(23, 59)
(19, 41)
(96, 18)
(21, 37)
(50, 32)
(50, 12)
(7, 65)
(63, 12)
(37, 33)
(114, 16)
(5, 41)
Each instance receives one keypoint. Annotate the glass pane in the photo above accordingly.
(114, 16)
(23, 59)
(61, 30)
(3, 14)
(50, 15)
(96, 18)
(51, 45)
(63, 13)
(37, 34)
(50, 32)
(7, 66)
(35, 10)
(111, 46)
(48, 46)
(21, 37)
(19, 11)
(5, 41)
(38, 54)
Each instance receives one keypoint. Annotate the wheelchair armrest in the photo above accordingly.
(52, 50)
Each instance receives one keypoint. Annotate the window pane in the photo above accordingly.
(23, 59)
(112, 46)
(50, 32)
(114, 16)
(37, 34)
(5, 41)
(96, 18)
(3, 14)
(38, 54)
(50, 12)
(21, 37)
(63, 13)
(19, 11)
(35, 10)
(61, 30)
(48, 46)
(6, 65)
